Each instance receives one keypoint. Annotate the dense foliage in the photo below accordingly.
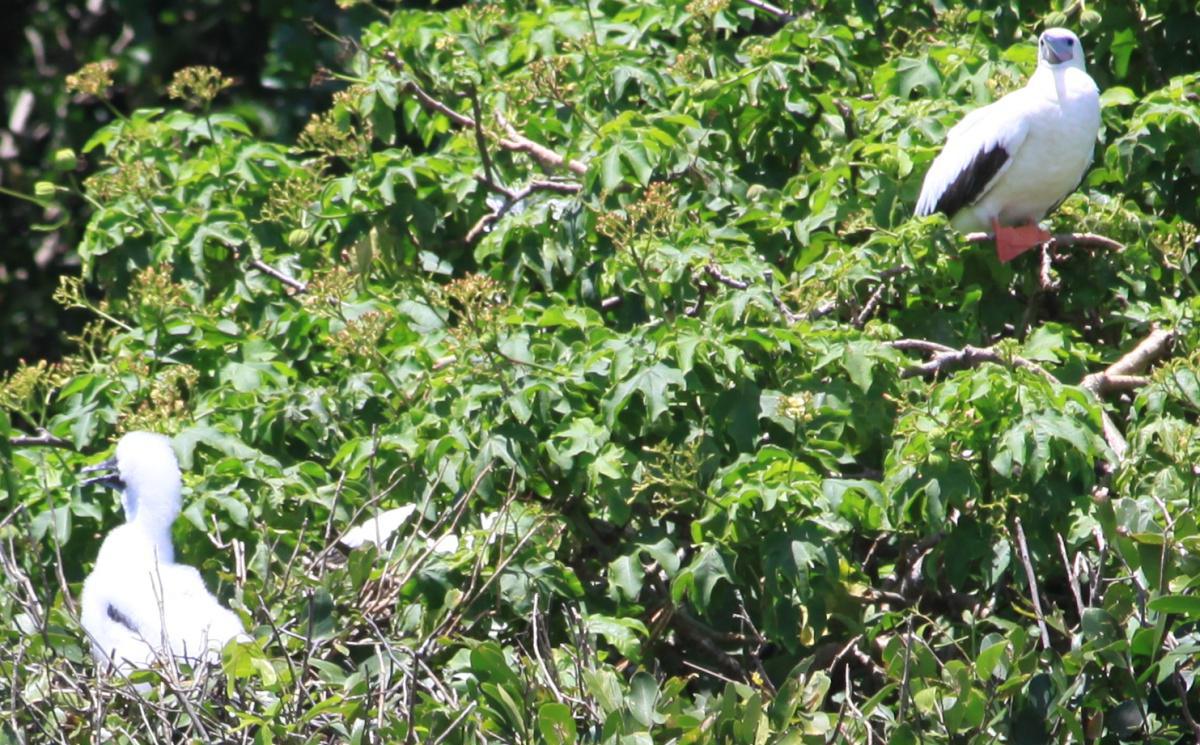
(271, 50)
(706, 438)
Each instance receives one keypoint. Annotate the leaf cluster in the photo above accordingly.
(622, 305)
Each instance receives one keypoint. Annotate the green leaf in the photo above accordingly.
(1185, 605)
(556, 724)
(653, 383)
(643, 693)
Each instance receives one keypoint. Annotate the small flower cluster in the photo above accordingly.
(198, 86)
(653, 214)
(479, 302)
(93, 79)
(288, 199)
(360, 337)
(707, 8)
(690, 59)
(797, 406)
(350, 99)
(135, 177)
(162, 411)
(29, 385)
(546, 75)
(325, 134)
(153, 290)
(328, 289)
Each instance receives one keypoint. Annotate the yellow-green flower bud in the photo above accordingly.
(65, 160)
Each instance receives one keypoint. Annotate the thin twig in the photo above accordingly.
(481, 139)
(869, 307)
(715, 272)
(766, 7)
(269, 270)
(905, 691)
(42, 439)
(1122, 376)
(1046, 279)
(519, 143)
(558, 187)
(1023, 550)
(1063, 240)
(514, 142)
(457, 721)
(947, 358)
(1072, 577)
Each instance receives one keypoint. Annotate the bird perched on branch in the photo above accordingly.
(139, 605)
(1006, 165)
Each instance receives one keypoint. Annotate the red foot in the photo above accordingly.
(1012, 242)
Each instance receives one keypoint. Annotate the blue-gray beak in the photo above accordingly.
(111, 479)
(1057, 49)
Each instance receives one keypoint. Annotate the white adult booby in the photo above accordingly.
(1006, 165)
(138, 604)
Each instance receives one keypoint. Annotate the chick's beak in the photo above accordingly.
(1057, 51)
(109, 476)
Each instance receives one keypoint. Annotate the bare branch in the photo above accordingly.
(1064, 240)
(1120, 374)
(1046, 280)
(514, 198)
(518, 142)
(1023, 550)
(766, 7)
(514, 142)
(947, 358)
(1072, 577)
(715, 272)
(42, 439)
(481, 141)
(920, 345)
(269, 270)
(872, 303)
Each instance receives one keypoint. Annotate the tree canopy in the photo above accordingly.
(707, 438)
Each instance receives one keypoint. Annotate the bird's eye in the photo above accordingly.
(1070, 42)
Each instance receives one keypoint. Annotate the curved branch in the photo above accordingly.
(1064, 240)
(948, 358)
(514, 198)
(514, 142)
(271, 271)
(43, 439)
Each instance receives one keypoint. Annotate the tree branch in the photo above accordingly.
(269, 270)
(1123, 374)
(518, 142)
(481, 142)
(1046, 280)
(1023, 551)
(42, 439)
(1064, 240)
(514, 142)
(766, 7)
(948, 358)
(715, 272)
(514, 198)
(1119, 376)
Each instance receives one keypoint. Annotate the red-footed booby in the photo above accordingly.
(138, 605)
(1006, 165)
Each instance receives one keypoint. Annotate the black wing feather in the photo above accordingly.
(968, 186)
(121, 618)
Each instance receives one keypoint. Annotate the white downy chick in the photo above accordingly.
(138, 604)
